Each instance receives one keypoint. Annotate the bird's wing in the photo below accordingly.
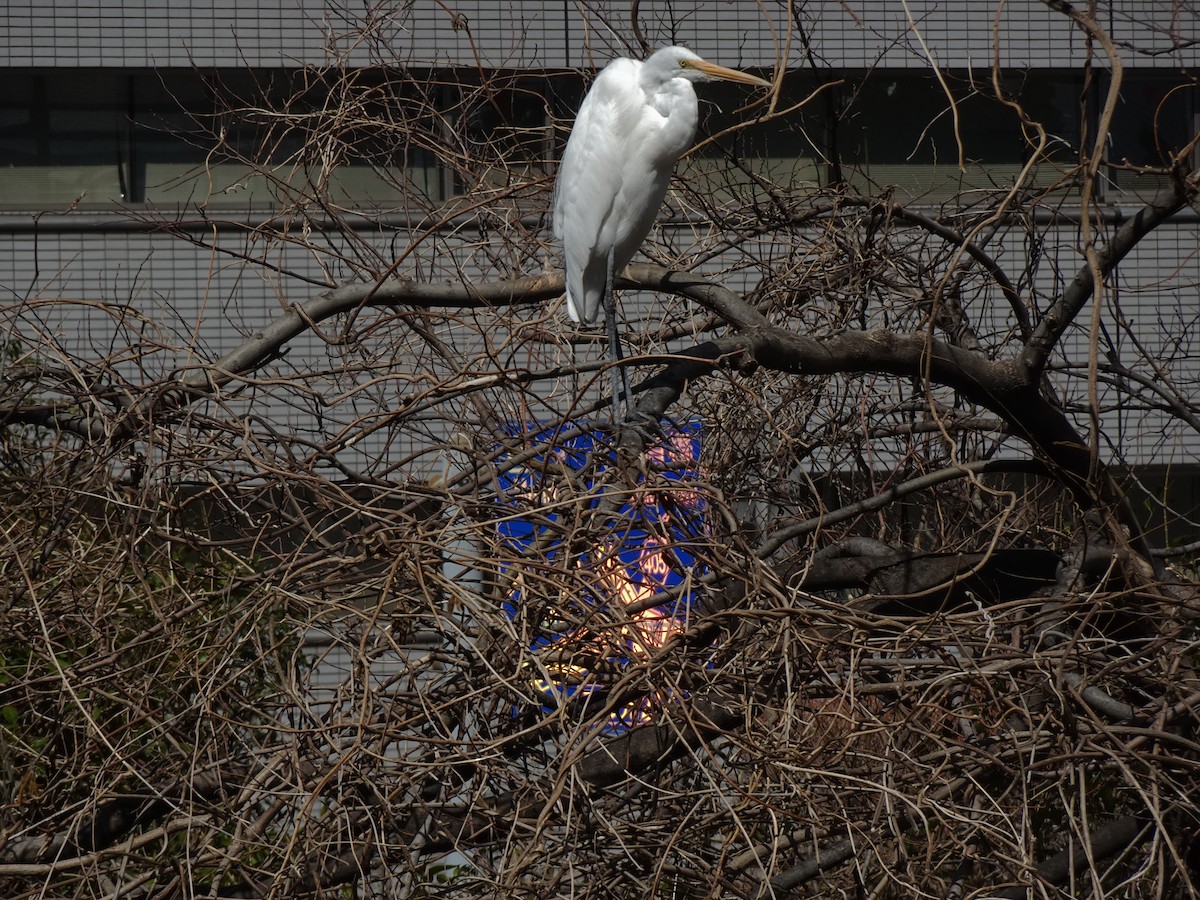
(589, 181)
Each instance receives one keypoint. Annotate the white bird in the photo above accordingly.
(634, 123)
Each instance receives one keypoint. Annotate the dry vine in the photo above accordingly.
(907, 636)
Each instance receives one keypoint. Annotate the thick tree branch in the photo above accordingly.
(998, 385)
(896, 492)
(655, 745)
(1103, 841)
(1002, 386)
(722, 301)
(115, 818)
(1063, 312)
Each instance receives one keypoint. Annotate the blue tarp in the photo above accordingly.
(647, 544)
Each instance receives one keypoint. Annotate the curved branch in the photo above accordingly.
(715, 297)
(973, 250)
(1102, 842)
(998, 385)
(266, 345)
(1002, 386)
(114, 819)
(1077, 294)
(896, 492)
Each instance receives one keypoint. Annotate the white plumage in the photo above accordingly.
(634, 123)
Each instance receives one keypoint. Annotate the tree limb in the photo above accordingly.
(1063, 312)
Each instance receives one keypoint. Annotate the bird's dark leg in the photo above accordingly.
(620, 381)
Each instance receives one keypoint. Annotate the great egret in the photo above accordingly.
(634, 123)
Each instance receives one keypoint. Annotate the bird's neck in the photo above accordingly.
(675, 101)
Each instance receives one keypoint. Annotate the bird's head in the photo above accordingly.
(680, 62)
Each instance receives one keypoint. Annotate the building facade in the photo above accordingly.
(112, 192)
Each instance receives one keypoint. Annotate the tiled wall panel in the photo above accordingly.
(536, 33)
(202, 306)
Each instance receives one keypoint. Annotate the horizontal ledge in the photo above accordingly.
(239, 220)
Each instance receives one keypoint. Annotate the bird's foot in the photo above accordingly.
(642, 424)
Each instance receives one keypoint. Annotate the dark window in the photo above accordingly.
(741, 143)
(909, 131)
(1155, 117)
(507, 127)
(382, 139)
(64, 138)
(889, 129)
(208, 137)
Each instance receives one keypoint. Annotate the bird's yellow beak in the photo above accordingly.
(714, 71)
